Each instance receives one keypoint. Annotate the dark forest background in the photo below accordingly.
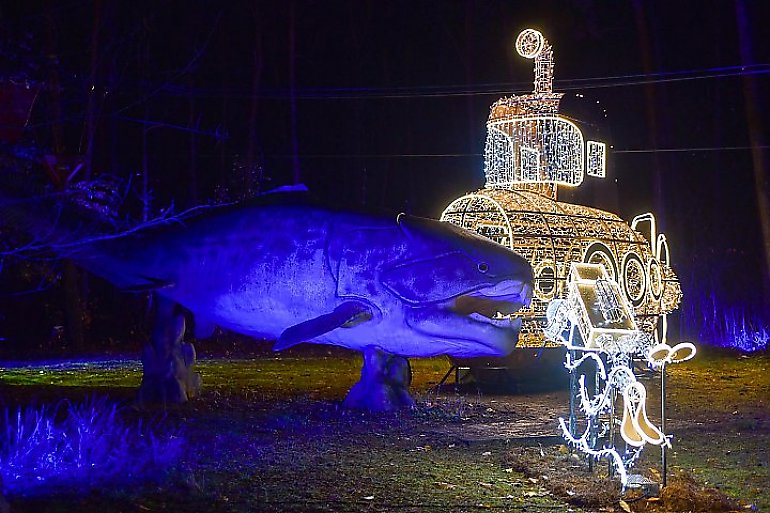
(161, 105)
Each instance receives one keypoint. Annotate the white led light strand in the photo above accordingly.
(584, 446)
(521, 125)
(550, 149)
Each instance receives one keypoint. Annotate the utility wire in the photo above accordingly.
(693, 150)
(477, 155)
(360, 93)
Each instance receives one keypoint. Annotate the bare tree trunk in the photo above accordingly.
(73, 305)
(144, 63)
(192, 121)
(754, 111)
(252, 161)
(225, 167)
(145, 171)
(656, 125)
(94, 93)
(54, 85)
(470, 75)
(296, 176)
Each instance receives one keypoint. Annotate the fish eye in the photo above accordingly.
(483, 267)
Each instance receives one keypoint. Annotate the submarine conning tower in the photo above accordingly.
(529, 145)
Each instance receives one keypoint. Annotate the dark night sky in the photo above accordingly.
(392, 97)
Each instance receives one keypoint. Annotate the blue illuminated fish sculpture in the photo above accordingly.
(300, 273)
(283, 269)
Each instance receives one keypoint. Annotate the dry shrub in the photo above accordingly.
(683, 493)
(567, 478)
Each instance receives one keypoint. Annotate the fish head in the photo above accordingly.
(460, 289)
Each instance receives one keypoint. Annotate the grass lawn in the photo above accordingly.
(267, 434)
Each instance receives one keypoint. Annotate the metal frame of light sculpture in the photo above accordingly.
(531, 44)
(596, 320)
(557, 143)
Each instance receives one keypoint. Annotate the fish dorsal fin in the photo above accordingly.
(288, 189)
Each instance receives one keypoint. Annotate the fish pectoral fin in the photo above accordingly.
(347, 315)
(359, 317)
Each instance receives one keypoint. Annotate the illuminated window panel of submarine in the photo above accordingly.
(597, 159)
(534, 149)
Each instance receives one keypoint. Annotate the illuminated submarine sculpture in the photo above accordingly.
(531, 150)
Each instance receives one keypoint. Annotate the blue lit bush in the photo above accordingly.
(735, 329)
(714, 323)
(77, 447)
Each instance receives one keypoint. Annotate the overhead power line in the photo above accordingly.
(497, 89)
(692, 150)
(478, 155)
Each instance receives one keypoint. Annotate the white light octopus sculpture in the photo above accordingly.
(596, 321)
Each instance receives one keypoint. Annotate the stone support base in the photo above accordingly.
(168, 361)
(384, 383)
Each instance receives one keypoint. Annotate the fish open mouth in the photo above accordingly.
(495, 305)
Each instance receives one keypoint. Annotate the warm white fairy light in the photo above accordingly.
(521, 128)
(532, 45)
(602, 288)
(529, 43)
(613, 307)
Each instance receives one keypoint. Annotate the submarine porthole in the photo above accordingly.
(656, 279)
(634, 279)
(545, 280)
(598, 253)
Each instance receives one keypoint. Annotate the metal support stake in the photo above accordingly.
(594, 425)
(572, 384)
(572, 399)
(613, 397)
(663, 421)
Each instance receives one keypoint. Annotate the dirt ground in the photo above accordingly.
(268, 434)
